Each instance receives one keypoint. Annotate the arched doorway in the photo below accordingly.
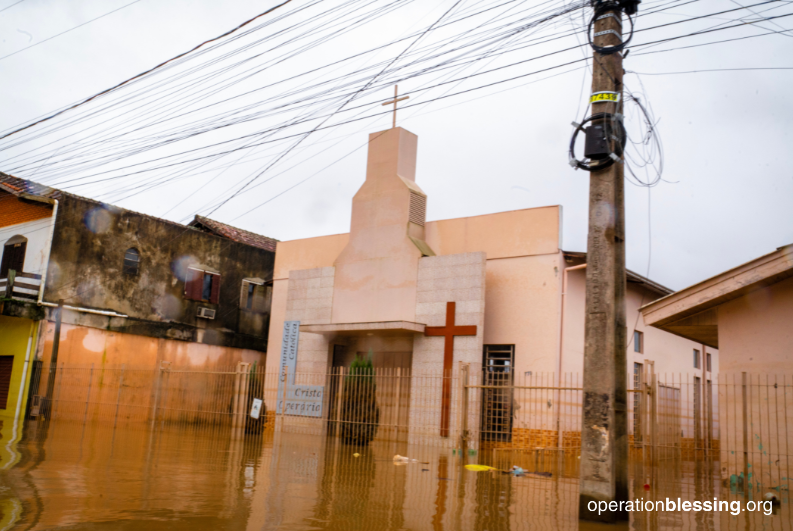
(13, 255)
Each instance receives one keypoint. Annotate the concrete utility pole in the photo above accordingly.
(604, 438)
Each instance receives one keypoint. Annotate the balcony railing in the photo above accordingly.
(20, 285)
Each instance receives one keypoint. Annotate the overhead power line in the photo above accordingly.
(90, 98)
(67, 31)
(710, 70)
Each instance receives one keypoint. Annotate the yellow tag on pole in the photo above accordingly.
(604, 96)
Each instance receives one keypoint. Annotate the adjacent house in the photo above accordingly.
(136, 290)
(745, 312)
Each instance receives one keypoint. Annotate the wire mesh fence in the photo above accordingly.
(744, 422)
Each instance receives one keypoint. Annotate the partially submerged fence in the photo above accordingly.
(203, 400)
(745, 422)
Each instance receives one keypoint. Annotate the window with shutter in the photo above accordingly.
(202, 286)
(193, 284)
(214, 291)
(6, 365)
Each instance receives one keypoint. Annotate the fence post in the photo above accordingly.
(654, 420)
(10, 283)
(240, 399)
(118, 396)
(88, 397)
(398, 400)
(464, 420)
(283, 396)
(246, 374)
(156, 394)
(235, 409)
(339, 401)
(744, 403)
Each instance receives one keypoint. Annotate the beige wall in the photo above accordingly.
(525, 232)
(308, 253)
(522, 300)
(670, 353)
(524, 256)
(756, 331)
(672, 356)
(458, 278)
(375, 278)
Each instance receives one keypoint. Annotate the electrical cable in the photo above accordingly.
(67, 31)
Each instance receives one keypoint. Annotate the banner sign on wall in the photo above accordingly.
(289, 344)
(304, 400)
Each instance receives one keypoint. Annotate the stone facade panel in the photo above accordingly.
(458, 278)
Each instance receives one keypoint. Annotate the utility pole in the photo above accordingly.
(604, 438)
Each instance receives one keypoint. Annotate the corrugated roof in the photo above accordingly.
(234, 233)
(632, 277)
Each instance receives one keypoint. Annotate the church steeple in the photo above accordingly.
(377, 270)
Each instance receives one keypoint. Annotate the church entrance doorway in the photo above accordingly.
(498, 368)
(392, 376)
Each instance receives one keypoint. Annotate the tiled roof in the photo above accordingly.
(234, 233)
(15, 211)
(17, 186)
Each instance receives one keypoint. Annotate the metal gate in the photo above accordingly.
(497, 403)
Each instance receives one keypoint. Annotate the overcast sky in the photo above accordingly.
(726, 135)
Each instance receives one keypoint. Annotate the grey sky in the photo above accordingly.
(726, 135)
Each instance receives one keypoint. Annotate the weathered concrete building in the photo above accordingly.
(137, 290)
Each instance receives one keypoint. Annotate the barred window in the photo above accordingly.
(131, 261)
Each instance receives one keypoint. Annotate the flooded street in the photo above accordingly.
(74, 476)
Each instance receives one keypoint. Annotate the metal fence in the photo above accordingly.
(744, 422)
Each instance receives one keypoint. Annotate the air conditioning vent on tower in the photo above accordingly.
(206, 313)
(418, 208)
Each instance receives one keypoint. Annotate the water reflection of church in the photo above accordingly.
(424, 296)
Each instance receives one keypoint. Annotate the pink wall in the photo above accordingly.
(755, 331)
(522, 308)
(82, 346)
(670, 353)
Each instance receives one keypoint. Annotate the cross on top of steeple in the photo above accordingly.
(394, 102)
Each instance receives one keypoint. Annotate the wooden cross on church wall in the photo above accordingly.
(448, 332)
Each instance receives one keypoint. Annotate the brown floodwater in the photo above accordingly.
(69, 475)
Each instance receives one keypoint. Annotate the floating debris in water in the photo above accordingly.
(479, 468)
(401, 460)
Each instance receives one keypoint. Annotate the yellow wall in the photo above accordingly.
(14, 334)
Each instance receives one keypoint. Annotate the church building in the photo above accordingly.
(494, 291)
